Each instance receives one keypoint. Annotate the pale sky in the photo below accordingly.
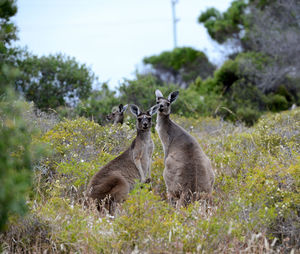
(113, 36)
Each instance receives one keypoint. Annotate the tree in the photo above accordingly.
(140, 91)
(233, 25)
(17, 152)
(180, 66)
(275, 31)
(8, 9)
(7, 34)
(227, 25)
(54, 80)
(266, 26)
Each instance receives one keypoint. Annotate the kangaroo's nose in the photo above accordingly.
(161, 106)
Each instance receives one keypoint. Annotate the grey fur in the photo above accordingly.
(114, 180)
(188, 170)
(117, 114)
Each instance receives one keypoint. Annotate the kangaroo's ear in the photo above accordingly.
(123, 108)
(158, 94)
(120, 108)
(153, 109)
(135, 110)
(173, 96)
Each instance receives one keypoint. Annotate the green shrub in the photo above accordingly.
(277, 103)
(138, 230)
(248, 115)
(82, 139)
(17, 156)
(80, 148)
(98, 105)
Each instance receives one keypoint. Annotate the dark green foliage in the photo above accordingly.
(140, 91)
(7, 34)
(181, 66)
(17, 154)
(231, 93)
(268, 27)
(98, 104)
(8, 9)
(8, 75)
(277, 103)
(227, 25)
(227, 74)
(52, 81)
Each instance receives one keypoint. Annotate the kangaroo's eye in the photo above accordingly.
(168, 104)
(157, 102)
(140, 119)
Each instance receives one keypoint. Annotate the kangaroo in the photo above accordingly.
(188, 170)
(117, 114)
(114, 180)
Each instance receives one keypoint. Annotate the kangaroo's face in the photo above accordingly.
(143, 121)
(117, 114)
(165, 104)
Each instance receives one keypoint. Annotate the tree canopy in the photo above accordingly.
(180, 66)
(7, 34)
(227, 25)
(54, 80)
(268, 33)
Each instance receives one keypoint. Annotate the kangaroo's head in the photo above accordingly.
(117, 114)
(143, 122)
(165, 104)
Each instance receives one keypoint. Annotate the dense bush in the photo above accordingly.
(18, 152)
(233, 95)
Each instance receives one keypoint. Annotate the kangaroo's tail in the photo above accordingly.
(113, 186)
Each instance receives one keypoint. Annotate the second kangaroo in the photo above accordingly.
(112, 183)
(188, 170)
(117, 114)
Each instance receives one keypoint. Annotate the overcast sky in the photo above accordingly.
(113, 36)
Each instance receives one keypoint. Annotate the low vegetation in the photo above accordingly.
(48, 154)
(255, 205)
